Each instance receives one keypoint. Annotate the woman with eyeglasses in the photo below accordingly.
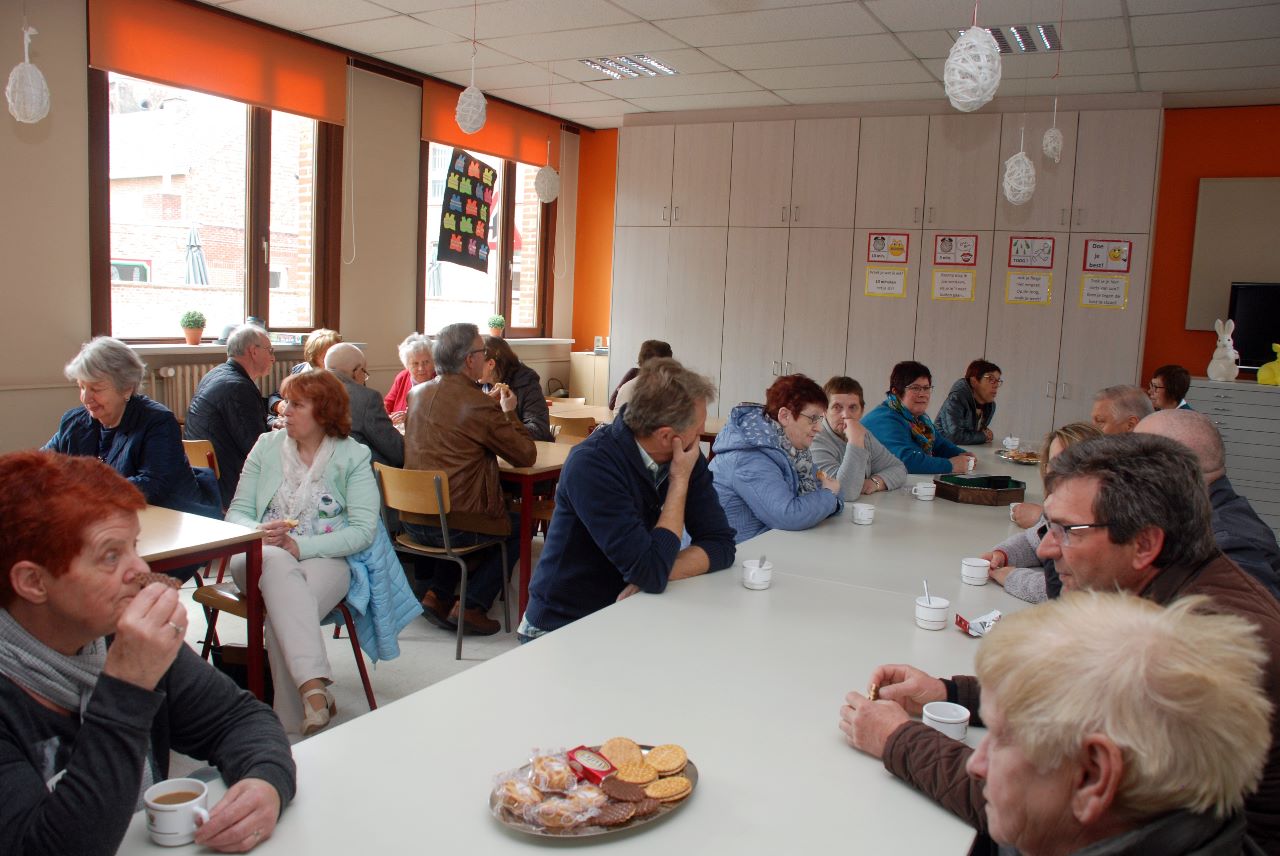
(965, 417)
(763, 470)
(902, 426)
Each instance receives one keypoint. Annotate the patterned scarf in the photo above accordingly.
(921, 427)
(801, 461)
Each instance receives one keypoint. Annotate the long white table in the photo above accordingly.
(750, 682)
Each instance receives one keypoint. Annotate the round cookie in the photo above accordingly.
(668, 759)
(620, 790)
(639, 774)
(614, 814)
(669, 790)
(646, 807)
(621, 750)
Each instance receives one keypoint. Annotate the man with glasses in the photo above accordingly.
(903, 427)
(370, 423)
(453, 426)
(228, 409)
(1125, 513)
(1118, 409)
(965, 417)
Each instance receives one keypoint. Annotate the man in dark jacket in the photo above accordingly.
(626, 495)
(370, 423)
(1126, 513)
(965, 417)
(228, 409)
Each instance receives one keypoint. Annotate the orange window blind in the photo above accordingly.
(194, 47)
(509, 132)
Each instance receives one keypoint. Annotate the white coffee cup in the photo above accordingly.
(864, 513)
(172, 808)
(973, 462)
(924, 491)
(975, 572)
(757, 576)
(931, 612)
(1013, 507)
(1011, 443)
(951, 719)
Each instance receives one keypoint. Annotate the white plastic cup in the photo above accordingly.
(975, 572)
(756, 576)
(171, 824)
(924, 491)
(1012, 443)
(1013, 507)
(931, 612)
(951, 719)
(864, 513)
(973, 462)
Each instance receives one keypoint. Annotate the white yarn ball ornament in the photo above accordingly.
(547, 184)
(1019, 179)
(27, 91)
(1052, 144)
(471, 110)
(972, 73)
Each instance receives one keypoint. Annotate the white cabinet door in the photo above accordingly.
(1115, 170)
(645, 162)
(761, 192)
(824, 173)
(639, 294)
(1101, 346)
(951, 314)
(754, 302)
(700, 180)
(815, 328)
(691, 316)
(892, 152)
(1023, 334)
(962, 172)
(1050, 206)
(882, 315)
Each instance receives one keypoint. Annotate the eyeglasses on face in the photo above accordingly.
(992, 378)
(814, 418)
(919, 389)
(1154, 386)
(270, 349)
(484, 351)
(1063, 533)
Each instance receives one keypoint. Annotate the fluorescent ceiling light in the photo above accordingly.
(1025, 38)
(631, 65)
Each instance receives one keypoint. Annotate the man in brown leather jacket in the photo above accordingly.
(1128, 513)
(453, 426)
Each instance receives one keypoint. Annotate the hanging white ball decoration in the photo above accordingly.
(27, 91)
(1019, 179)
(547, 184)
(1052, 144)
(471, 110)
(972, 73)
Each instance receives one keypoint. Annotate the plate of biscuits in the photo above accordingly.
(594, 790)
(1029, 459)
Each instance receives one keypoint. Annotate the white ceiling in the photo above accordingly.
(747, 53)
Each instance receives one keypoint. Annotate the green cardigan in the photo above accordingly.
(349, 476)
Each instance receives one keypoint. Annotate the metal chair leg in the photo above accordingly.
(506, 607)
(462, 605)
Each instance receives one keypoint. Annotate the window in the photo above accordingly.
(513, 285)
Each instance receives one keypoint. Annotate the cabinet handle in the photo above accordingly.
(1062, 217)
(915, 214)
(677, 213)
(930, 213)
(795, 214)
(1222, 410)
(1079, 216)
(774, 367)
(784, 214)
(1218, 423)
(1048, 389)
(664, 213)
(1221, 396)
(1064, 391)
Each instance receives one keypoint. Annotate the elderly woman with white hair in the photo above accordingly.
(137, 437)
(419, 367)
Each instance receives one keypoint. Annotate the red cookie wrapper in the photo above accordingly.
(589, 765)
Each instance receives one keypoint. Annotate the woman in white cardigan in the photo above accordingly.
(310, 488)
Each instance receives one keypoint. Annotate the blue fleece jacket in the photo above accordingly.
(756, 483)
(603, 537)
(894, 432)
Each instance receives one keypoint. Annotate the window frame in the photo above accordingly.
(325, 294)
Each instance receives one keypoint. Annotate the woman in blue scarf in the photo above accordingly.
(902, 426)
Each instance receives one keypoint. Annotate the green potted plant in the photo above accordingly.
(192, 324)
(496, 325)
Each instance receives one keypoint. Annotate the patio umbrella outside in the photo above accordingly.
(197, 270)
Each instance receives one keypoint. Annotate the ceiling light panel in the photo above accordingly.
(635, 65)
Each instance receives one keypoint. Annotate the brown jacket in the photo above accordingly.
(935, 764)
(453, 426)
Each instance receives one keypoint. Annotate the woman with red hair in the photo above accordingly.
(311, 489)
(764, 473)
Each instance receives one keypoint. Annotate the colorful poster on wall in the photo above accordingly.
(953, 285)
(1107, 255)
(1028, 288)
(465, 212)
(1104, 292)
(955, 250)
(886, 282)
(1026, 251)
(890, 247)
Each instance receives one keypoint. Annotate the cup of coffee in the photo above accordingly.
(1011, 443)
(973, 462)
(172, 808)
(924, 491)
(864, 513)
(975, 572)
(755, 575)
(1013, 509)
(931, 612)
(951, 719)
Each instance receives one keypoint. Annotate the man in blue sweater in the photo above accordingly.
(626, 495)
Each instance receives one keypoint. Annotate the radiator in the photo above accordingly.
(174, 385)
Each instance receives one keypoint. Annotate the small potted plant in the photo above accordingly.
(192, 325)
(496, 325)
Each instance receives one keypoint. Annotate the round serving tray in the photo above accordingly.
(1004, 453)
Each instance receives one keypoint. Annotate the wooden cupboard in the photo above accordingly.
(962, 172)
(673, 175)
(882, 315)
(754, 302)
(1050, 206)
(815, 320)
(761, 191)
(892, 153)
(645, 163)
(824, 173)
(1115, 170)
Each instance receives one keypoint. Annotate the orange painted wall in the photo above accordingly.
(1225, 142)
(593, 256)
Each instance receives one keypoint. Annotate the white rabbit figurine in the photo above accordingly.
(1223, 365)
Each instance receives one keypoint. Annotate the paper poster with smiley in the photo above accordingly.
(959, 250)
(1107, 255)
(892, 247)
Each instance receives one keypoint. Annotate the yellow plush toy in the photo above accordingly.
(1270, 372)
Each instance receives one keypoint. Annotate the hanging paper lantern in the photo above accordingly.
(27, 92)
(972, 73)
(1019, 179)
(547, 184)
(471, 110)
(1052, 144)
